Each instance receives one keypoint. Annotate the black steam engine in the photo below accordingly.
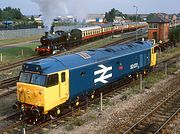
(61, 40)
(51, 43)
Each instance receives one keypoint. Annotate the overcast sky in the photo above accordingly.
(100, 6)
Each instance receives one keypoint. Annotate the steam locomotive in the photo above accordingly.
(61, 40)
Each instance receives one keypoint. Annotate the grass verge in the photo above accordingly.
(13, 54)
(17, 40)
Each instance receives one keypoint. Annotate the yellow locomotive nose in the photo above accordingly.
(30, 94)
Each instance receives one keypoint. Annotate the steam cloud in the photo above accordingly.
(52, 8)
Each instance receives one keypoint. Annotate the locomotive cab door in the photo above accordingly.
(64, 85)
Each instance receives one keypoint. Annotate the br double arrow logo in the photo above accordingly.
(103, 72)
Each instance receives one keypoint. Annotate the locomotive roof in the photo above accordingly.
(88, 28)
(105, 25)
(51, 36)
(59, 63)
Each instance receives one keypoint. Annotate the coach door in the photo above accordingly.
(64, 85)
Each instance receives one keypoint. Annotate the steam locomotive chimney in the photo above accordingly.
(46, 30)
(46, 33)
(52, 29)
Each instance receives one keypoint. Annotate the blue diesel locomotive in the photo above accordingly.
(47, 84)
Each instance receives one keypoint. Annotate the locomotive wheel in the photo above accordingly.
(58, 111)
(92, 96)
(145, 72)
(77, 103)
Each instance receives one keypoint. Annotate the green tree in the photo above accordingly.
(133, 18)
(17, 14)
(0, 14)
(6, 15)
(174, 34)
(32, 18)
(110, 16)
(150, 16)
(9, 13)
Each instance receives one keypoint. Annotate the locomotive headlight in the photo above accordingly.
(28, 91)
(37, 47)
(48, 47)
(36, 93)
(40, 93)
(20, 90)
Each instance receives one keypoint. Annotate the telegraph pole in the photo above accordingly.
(136, 21)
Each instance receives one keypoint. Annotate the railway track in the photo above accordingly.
(6, 86)
(111, 90)
(173, 125)
(12, 81)
(34, 129)
(116, 88)
(8, 82)
(17, 64)
(155, 120)
(17, 127)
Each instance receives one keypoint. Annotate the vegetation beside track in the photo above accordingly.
(18, 40)
(168, 53)
(13, 54)
(6, 104)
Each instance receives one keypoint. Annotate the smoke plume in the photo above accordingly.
(50, 9)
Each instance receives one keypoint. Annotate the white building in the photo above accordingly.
(95, 18)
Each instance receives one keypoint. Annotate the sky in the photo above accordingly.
(30, 7)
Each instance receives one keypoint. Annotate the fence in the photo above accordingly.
(12, 34)
(21, 33)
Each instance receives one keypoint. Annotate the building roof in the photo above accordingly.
(158, 19)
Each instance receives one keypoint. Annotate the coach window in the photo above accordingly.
(52, 80)
(63, 77)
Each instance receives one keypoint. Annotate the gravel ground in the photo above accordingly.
(10, 73)
(115, 110)
(173, 127)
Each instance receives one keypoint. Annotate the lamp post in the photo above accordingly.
(136, 21)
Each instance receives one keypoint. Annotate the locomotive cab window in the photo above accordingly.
(52, 80)
(63, 77)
